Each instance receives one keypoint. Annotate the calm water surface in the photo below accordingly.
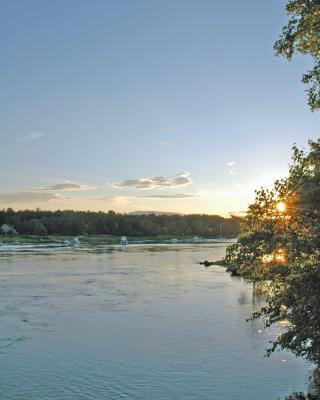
(137, 322)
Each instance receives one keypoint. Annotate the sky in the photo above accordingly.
(171, 105)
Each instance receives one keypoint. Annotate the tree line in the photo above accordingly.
(68, 222)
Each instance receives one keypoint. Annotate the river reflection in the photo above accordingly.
(138, 322)
(313, 390)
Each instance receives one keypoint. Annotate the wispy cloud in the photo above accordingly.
(29, 197)
(150, 196)
(115, 200)
(170, 196)
(155, 182)
(231, 168)
(67, 186)
(31, 136)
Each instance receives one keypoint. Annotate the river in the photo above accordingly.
(134, 322)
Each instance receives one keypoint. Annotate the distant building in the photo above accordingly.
(7, 229)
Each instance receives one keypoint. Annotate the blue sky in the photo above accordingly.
(146, 105)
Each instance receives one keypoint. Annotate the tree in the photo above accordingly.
(301, 35)
(39, 229)
(280, 243)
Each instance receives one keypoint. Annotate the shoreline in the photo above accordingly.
(108, 239)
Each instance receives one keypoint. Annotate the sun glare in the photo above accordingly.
(278, 257)
(281, 206)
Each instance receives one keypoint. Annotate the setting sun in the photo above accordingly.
(281, 206)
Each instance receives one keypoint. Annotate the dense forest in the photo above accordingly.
(38, 222)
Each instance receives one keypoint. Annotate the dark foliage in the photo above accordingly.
(279, 245)
(302, 396)
(301, 36)
(29, 222)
